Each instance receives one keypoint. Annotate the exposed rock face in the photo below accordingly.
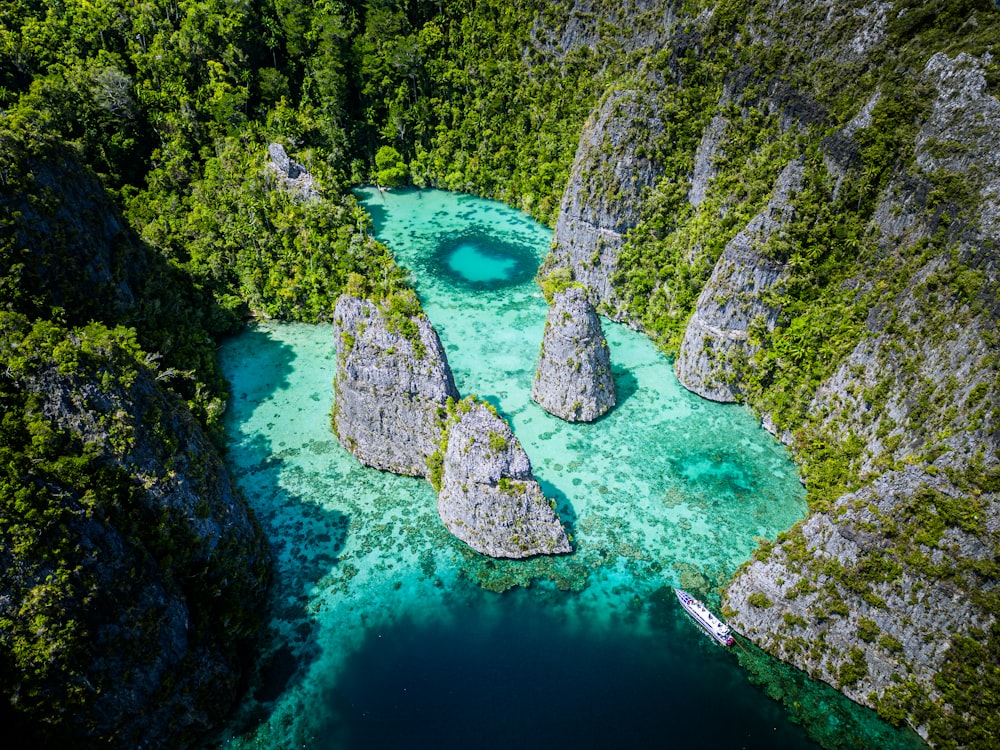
(390, 406)
(291, 175)
(894, 578)
(966, 115)
(733, 299)
(888, 590)
(855, 579)
(573, 380)
(591, 23)
(602, 199)
(489, 497)
(146, 610)
(709, 149)
(391, 390)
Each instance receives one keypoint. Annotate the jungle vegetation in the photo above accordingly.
(137, 211)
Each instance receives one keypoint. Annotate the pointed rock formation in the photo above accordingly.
(573, 380)
(716, 341)
(393, 382)
(488, 496)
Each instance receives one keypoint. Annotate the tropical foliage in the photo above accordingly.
(139, 218)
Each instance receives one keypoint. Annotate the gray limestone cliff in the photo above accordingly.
(488, 495)
(857, 312)
(898, 579)
(291, 175)
(134, 580)
(610, 173)
(857, 580)
(392, 397)
(734, 299)
(392, 385)
(573, 380)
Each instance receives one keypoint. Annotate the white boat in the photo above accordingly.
(711, 624)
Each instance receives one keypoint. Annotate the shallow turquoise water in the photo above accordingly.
(387, 632)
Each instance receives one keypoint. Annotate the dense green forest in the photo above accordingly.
(141, 223)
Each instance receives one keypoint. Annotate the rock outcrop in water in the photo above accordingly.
(392, 398)
(573, 380)
(734, 299)
(393, 382)
(488, 495)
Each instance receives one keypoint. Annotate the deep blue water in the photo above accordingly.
(525, 678)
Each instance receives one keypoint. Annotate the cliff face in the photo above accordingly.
(133, 575)
(391, 388)
(856, 307)
(872, 595)
(393, 394)
(573, 380)
(601, 202)
(735, 298)
(899, 577)
(488, 495)
(291, 175)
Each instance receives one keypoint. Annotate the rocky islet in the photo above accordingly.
(573, 380)
(390, 390)
(395, 409)
(488, 496)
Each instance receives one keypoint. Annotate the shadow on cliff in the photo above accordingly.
(306, 539)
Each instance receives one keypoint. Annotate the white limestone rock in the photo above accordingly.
(488, 496)
(390, 394)
(717, 335)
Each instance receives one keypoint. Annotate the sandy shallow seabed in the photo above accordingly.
(387, 632)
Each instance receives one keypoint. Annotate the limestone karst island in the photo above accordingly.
(481, 374)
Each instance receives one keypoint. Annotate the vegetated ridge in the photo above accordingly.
(821, 243)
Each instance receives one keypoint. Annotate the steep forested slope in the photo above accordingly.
(819, 240)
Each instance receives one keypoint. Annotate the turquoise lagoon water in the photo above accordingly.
(386, 632)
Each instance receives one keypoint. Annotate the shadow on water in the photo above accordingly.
(306, 539)
(830, 718)
(626, 384)
(510, 676)
(378, 212)
(495, 402)
(374, 202)
(565, 509)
